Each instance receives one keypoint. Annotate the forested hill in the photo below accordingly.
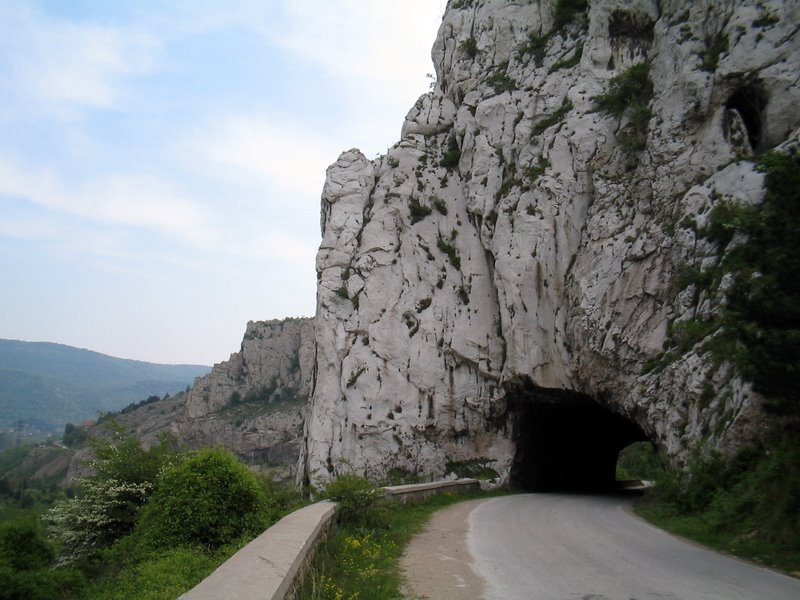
(47, 385)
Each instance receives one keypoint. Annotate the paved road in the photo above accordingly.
(564, 547)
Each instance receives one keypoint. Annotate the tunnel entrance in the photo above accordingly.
(566, 441)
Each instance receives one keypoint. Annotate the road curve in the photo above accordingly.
(551, 546)
(564, 547)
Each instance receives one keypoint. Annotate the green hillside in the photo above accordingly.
(47, 385)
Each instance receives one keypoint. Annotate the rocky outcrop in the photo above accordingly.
(275, 362)
(253, 404)
(528, 232)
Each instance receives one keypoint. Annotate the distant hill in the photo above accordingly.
(47, 385)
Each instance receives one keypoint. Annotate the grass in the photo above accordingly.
(743, 545)
(746, 505)
(362, 561)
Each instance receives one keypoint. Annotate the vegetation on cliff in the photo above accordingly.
(749, 503)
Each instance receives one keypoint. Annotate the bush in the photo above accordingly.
(105, 512)
(763, 304)
(209, 499)
(631, 88)
(23, 545)
(25, 564)
(357, 497)
(125, 476)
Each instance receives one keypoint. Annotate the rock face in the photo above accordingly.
(520, 248)
(275, 361)
(254, 403)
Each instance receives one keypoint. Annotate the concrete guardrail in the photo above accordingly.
(272, 566)
(416, 491)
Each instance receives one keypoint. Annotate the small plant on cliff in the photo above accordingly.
(418, 211)
(450, 250)
(470, 47)
(500, 81)
(452, 155)
(557, 116)
(536, 47)
(630, 88)
(629, 94)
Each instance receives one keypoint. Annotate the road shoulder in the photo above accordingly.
(437, 562)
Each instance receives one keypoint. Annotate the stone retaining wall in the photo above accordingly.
(272, 566)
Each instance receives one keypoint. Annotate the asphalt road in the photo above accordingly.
(564, 547)
(550, 546)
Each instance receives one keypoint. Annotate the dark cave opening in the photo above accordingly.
(749, 101)
(566, 441)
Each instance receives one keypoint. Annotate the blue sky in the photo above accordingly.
(161, 162)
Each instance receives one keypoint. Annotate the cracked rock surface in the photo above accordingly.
(518, 233)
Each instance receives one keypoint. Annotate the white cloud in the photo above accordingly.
(379, 41)
(142, 201)
(66, 64)
(279, 153)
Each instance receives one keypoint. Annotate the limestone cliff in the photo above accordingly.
(275, 361)
(519, 251)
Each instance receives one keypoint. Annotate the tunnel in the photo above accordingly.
(565, 440)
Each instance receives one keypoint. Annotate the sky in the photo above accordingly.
(161, 162)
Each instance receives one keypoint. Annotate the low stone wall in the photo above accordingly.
(268, 567)
(271, 567)
(417, 491)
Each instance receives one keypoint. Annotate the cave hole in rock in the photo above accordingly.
(565, 440)
(749, 101)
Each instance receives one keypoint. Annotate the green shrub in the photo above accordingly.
(209, 499)
(26, 559)
(748, 504)
(475, 468)
(763, 303)
(161, 575)
(630, 89)
(536, 47)
(568, 63)
(450, 250)
(358, 499)
(715, 46)
(418, 211)
(640, 460)
(629, 93)
(500, 81)
(23, 545)
(125, 476)
(439, 204)
(470, 47)
(452, 156)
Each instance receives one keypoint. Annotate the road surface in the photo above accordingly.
(564, 547)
